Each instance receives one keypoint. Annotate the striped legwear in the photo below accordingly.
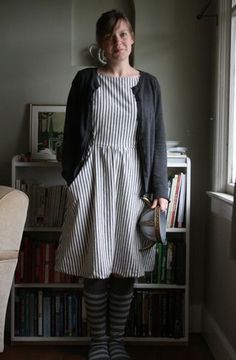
(120, 298)
(96, 310)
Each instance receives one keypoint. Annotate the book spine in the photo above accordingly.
(40, 313)
(46, 315)
(181, 208)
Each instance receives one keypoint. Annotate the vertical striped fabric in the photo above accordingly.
(100, 234)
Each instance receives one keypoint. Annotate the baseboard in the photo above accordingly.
(215, 338)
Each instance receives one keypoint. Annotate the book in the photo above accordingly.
(22, 309)
(46, 265)
(46, 315)
(19, 273)
(39, 207)
(17, 314)
(27, 259)
(32, 314)
(171, 203)
(163, 263)
(62, 205)
(181, 208)
(145, 312)
(57, 315)
(159, 262)
(170, 266)
(40, 312)
(176, 200)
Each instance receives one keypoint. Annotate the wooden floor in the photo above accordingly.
(195, 350)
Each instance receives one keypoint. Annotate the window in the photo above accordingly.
(224, 154)
(231, 173)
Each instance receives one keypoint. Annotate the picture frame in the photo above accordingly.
(46, 131)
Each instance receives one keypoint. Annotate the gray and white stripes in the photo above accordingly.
(100, 234)
(115, 112)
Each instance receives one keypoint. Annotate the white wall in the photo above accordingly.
(35, 65)
(177, 48)
(220, 290)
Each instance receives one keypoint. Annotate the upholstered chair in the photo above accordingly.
(13, 211)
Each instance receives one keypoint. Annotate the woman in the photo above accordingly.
(113, 153)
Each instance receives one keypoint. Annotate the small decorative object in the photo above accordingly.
(97, 54)
(46, 131)
(152, 224)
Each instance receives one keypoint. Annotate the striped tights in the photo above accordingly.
(107, 312)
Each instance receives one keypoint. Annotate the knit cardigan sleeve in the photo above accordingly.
(159, 173)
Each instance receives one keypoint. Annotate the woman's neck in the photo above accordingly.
(120, 70)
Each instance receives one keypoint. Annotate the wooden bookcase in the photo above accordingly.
(28, 297)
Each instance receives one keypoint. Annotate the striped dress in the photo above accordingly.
(100, 235)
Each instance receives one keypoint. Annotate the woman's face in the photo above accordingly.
(117, 46)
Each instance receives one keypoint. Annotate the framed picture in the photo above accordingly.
(46, 131)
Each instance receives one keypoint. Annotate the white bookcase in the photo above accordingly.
(49, 174)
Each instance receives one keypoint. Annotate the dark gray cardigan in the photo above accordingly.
(78, 132)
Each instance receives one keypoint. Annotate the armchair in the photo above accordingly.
(13, 211)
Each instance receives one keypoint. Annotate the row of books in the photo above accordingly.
(46, 203)
(177, 196)
(43, 313)
(39, 312)
(157, 314)
(37, 259)
(169, 265)
(36, 263)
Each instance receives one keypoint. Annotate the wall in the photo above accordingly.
(177, 48)
(220, 290)
(219, 310)
(81, 18)
(36, 67)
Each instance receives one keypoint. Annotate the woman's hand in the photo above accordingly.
(162, 202)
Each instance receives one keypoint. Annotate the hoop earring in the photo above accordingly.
(101, 57)
(97, 54)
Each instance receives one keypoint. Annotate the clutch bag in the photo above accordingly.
(152, 224)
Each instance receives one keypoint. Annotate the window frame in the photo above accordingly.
(221, 156)
(232, 102)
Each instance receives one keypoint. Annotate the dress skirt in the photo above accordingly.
(100, 234)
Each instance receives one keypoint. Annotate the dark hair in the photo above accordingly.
(108, 21)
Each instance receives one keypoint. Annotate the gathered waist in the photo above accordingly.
(129, 146)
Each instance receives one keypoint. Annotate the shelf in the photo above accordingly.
(172, 161)
(59, 229)
(156, 340)
(80, 286)
(84, 340)
(158, 286)
(176, 165)
(38, 163)
(61, 339)
(176, 230)
(49, 174)
(49, 285)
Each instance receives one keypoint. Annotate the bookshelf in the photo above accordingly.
(163, 295)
